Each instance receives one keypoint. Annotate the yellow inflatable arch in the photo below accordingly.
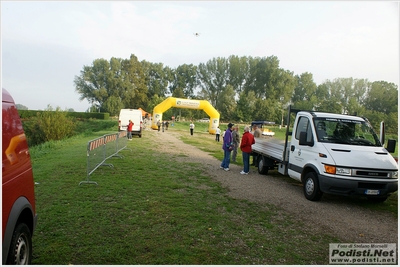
(186, 103)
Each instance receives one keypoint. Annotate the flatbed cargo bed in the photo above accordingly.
(269, 147)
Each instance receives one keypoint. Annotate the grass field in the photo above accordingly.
(146, 210)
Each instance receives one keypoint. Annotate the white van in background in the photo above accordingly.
(131, 114)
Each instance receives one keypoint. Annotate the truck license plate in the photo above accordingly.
(371, 192)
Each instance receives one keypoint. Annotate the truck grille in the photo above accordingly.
(371, 173)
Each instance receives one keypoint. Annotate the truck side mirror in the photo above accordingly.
(391, 146)
(303, 140)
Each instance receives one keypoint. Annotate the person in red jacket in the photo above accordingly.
(245, 146)
(129, 129)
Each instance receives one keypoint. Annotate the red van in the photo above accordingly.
(19, 214)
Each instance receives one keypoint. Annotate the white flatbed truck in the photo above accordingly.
(331, 153)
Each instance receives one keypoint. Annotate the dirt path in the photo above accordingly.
(333, 215)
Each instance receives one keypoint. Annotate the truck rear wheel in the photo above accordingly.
(311, 187)
(261, 168)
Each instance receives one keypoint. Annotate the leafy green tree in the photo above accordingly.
(112, 85)
(267, 75)
(304, 96)
(226, 103)
(324, 102)
(285, 86)
(250, 76)
(361, 87)
(92, 83)
(322, 92)
(238, 70)
(354, 91)
(113, 105)
(267, 80)
(245, 107)
(392, 123)
(382, 97)
(134, 91)
(183, 81)
(381, 104)
(349, 92)
(213, 78)
(330, 106)
(334, 96)
(154, 101)
(265, 110)
(157, 78)
(178, 92)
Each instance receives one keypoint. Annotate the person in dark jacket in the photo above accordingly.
(227, 146)
(245, 146)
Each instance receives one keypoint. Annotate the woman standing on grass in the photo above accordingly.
(227, 147)
(245, 146)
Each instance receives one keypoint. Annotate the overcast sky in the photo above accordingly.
(46, 44)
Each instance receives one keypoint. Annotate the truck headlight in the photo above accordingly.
(394, 175)
(337, 170)
(343, 171)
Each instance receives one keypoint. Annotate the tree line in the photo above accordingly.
(242, 89)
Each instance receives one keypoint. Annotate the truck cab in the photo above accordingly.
(339, 154)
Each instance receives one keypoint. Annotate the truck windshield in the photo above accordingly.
(345, 131)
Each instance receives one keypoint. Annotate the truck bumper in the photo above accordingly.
(355, 187)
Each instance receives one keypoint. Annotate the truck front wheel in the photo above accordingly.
(261, 168)
(20, 252)
(311, 187)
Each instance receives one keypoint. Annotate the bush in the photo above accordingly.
(33, 132)
(56, 125)
(48, 125)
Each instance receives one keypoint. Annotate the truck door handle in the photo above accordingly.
(292, 148)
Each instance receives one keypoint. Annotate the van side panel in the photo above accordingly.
(17, 175)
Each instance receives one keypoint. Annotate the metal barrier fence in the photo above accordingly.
(103, 148)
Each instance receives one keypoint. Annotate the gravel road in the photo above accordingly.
(334, 215)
